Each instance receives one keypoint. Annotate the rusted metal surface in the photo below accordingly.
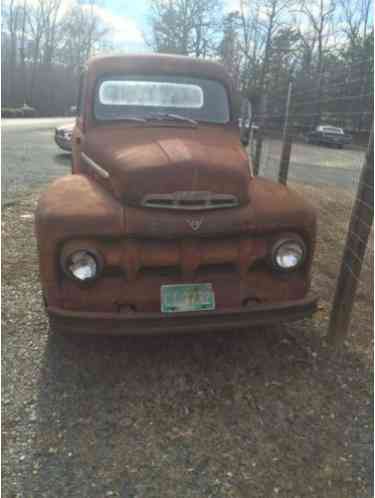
(143, 248)
(78, 205)
(157, 323)
(159, 160)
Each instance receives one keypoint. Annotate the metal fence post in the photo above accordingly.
(258, 151)
(355, 248)
(287, 142)
(260, 133)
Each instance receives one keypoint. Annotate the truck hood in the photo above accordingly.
(164, 163)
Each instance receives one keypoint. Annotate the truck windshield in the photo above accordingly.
(142, 97)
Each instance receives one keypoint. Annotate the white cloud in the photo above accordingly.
(231, 5)
(123, 29)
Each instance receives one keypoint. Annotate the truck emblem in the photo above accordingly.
(195, 224)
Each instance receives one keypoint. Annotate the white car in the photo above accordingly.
(63, 136)
(328, 135)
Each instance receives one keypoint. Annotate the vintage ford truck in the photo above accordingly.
(162, 226)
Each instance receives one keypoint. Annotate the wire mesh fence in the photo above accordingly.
(319, 140)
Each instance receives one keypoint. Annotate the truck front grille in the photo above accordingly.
(184, 258)
(190, 200)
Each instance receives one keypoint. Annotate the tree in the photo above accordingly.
(186, 27)
(357, 27)
(43, 50)
(320, 15)
(229, 48)
(82, 31)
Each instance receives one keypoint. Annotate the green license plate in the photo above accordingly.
(187, 297)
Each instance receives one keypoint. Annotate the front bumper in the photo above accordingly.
(135, 323)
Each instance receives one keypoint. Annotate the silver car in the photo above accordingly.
(63, 136)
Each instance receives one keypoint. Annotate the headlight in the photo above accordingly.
(288, 254)
(82, 265)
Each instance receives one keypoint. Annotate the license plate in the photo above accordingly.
(187, 297)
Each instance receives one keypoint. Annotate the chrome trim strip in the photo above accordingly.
(190, 201)
(99, 170)
(188, 208)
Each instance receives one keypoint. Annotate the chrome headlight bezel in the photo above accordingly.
(66, 262)
(292, 240)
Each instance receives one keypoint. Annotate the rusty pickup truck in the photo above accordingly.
(162, 226)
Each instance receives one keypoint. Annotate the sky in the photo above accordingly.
(129, 22)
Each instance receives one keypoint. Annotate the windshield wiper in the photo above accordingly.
(133, 118)
(127, 118)
(172, 117)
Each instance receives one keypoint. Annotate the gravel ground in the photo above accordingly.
(266, 413)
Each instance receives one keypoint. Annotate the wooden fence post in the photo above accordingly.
(287, 142)
(355, 248)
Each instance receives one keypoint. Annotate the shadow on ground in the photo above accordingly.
(265, 413)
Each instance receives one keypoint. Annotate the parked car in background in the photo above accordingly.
(163, 227)
(328, 135)
(63, 136)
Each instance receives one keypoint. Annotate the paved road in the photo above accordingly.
(29, 155)
(314, 165)
(313, 174)
(31, 158)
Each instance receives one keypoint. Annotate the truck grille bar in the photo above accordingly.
(190, 200)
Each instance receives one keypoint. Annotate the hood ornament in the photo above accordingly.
(195, 224)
